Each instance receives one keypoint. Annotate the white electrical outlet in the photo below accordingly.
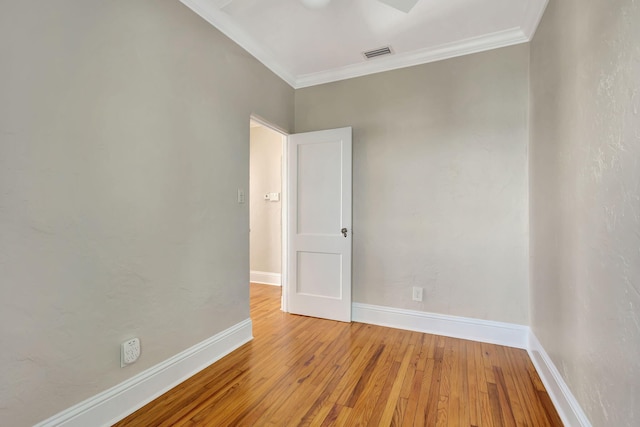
(129, 352)
(417, 293)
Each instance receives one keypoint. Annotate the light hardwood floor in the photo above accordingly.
(312, 372)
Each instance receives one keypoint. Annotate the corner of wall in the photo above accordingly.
(565, 403)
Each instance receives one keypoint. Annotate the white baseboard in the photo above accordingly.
(265, 278)
(506, 334)
(114, 404)
(566, 404)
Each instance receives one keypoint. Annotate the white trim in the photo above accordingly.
(221, 4)
(263, 122)
(437, 53)
(506, 334)
(112, 405)
(210, 13)
(265, 278)
(566, 404)
(284, 225)
(532, 17)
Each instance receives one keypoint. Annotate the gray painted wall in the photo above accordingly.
(124, 136)
(439, 182)
(585, 202)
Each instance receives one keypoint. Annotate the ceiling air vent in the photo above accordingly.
(370, 54)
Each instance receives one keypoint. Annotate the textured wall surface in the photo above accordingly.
(439, 182)
(266, 216)
(585, 201)
(123, 140)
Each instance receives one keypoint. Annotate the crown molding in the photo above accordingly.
(210, 11)
(219, 4)
(213, 15)
(437, 53)
(532, 17)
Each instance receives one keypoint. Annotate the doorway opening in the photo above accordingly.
(267, 205)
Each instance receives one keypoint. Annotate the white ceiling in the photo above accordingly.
(306, 46)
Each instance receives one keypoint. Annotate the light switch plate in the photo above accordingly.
(417, 293)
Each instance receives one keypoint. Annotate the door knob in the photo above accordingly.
(344, 232)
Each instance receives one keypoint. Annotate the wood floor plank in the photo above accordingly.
(318, 417)
(434, 379)
(301, 371)
(508, 417)
(530, 404)
(359, 369)
(399, 413)
(494, 402)
(407, 384)
(409, 416)
(550, 410)
(464, 398)
(455, 386)
(396, 380)
(473, 393)
(486, 410)
(332, 416)
(520, 415)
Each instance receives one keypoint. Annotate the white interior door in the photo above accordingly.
(319, 261)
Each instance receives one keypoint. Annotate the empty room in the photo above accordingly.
(457, 206)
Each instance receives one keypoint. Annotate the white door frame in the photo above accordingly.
(284, 208)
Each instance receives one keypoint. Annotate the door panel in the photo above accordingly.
(319, 209)
(319, 191)
(319, 274)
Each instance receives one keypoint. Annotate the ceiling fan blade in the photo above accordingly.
(402, 5)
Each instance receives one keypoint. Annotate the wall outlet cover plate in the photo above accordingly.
(129, 352)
